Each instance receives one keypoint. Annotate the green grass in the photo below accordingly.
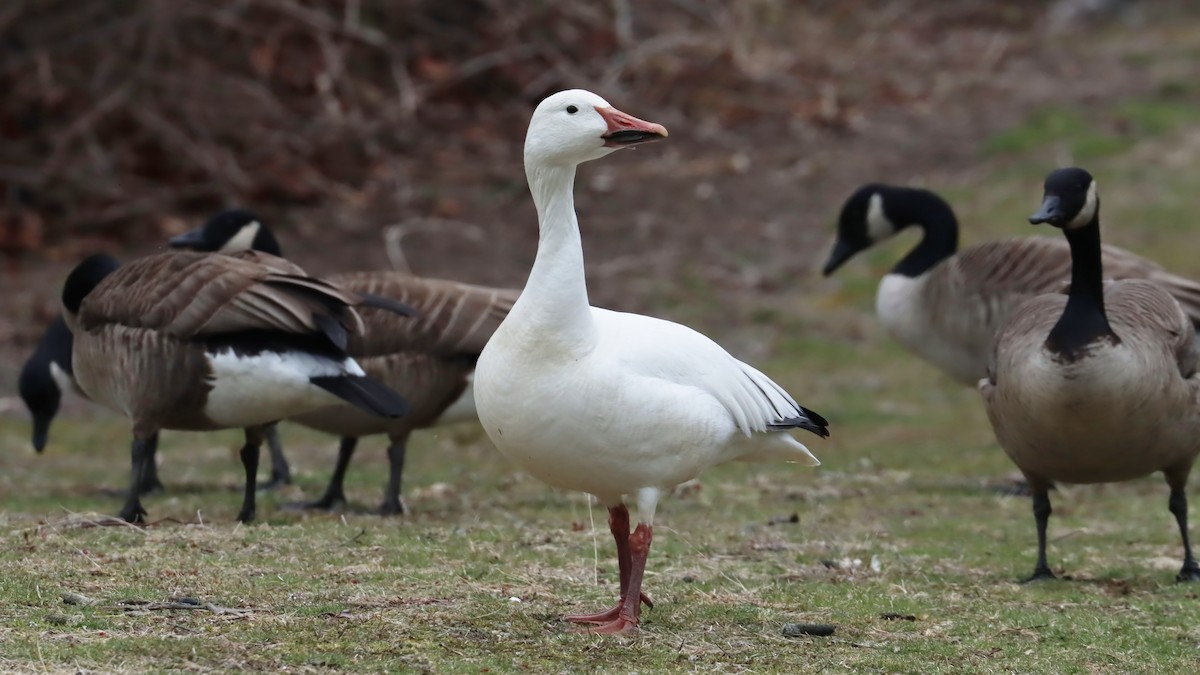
(1091, 135)
(907, 483)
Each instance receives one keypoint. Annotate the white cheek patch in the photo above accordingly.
(65, 382)
(1088, 211)
(878, 225)
(244, 239)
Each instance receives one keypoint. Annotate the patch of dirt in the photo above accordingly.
(777, 111)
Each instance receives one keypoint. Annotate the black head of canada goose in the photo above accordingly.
(1098, 385)
(429, 360)
(229, 230)
(194, 341)
(945, 305)
(45, 378)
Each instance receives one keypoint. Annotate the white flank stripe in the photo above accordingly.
(268, 386)
(65, 382)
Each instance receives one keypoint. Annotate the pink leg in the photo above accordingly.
(618, 523)
(630, 610)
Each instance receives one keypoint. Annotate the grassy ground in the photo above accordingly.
(907, 516)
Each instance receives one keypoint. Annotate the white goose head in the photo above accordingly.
(576, 126)
(1070, 200)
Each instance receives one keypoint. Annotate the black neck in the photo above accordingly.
(939, 239)
(58, 342)
(1083, 320)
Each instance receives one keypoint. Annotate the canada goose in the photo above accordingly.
(47, 375)
(196, 341)
(945, 306)
(429, 360)
(1098, 385)
(610, 403)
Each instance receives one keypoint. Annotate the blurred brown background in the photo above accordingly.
(342, 121)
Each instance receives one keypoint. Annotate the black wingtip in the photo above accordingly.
(364, 393)
(394, 306)
(814, 416)
(808, 420)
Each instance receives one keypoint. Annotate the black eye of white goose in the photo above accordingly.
(571, 110)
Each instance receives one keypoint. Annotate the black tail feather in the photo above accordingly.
(808, 420)
(394, 306)
(364, 393)
(814, 416)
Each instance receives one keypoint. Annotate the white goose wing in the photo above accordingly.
(675, 353)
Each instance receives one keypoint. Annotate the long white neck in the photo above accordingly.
(553, 310)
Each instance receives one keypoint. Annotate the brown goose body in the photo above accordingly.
(1123, 409)
(195, 341)
(428, 359)
(168, 378)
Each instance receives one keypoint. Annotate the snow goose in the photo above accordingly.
(945, 305)
(609, 403)
(196, 341)
(1099, 384)
(429, 360)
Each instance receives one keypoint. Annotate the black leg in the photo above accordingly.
(1041, 513)
(393, 504)
(281, 473)
(1179, 507)
(150, 482)
(133, 512)
(335, 494)
(249, 453)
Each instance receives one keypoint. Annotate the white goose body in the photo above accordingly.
(647, 404)
(605, 402)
